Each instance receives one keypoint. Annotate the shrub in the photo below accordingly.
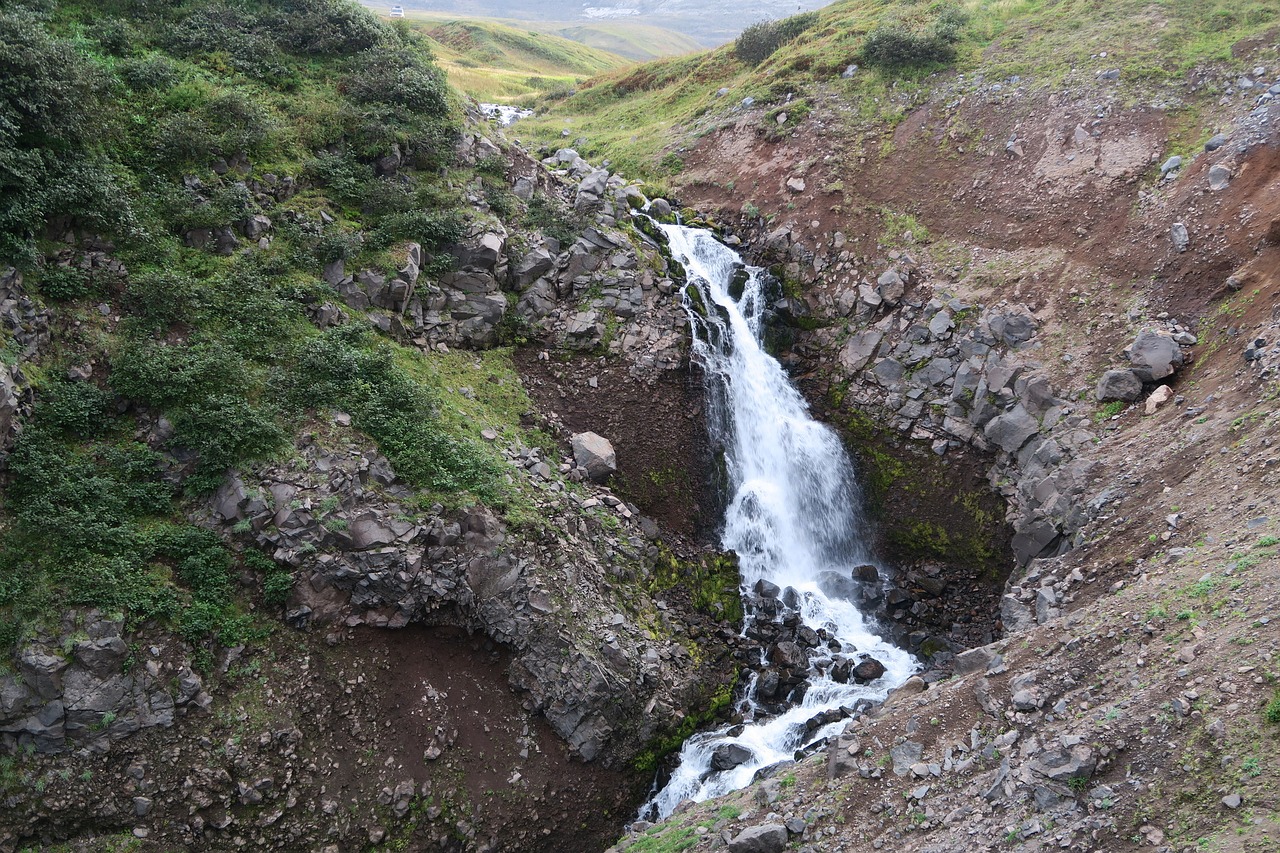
(898, 45)
(326, 28)
(152, 72)
(1271, 713)
(398, 78)
(64, 282)
(344, 368)
(762, 39)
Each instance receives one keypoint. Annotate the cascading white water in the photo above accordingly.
(793, 519)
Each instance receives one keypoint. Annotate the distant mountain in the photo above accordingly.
(707, 22)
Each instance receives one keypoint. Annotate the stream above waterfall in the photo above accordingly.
(794, 518)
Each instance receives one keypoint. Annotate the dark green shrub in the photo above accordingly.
(153, 72)
(432, 228)
(65, 282)
(762, 39)
(276, 588)
(898, 45)
(327, 28)
(224, 431)
(76, 409)
(215, 31)
(345, 177)
(157, 299)
(164, 375)
(398, 78)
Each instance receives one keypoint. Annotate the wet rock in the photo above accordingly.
(729, 755)
(868, 670)
(788, 655)
(595, 454)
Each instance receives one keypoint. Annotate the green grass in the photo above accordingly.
(638, 115)
(494, 62)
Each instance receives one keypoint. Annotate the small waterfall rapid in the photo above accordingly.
(793, 518)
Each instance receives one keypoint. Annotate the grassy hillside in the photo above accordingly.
(641, 42)
(127, 132)
(638, 116)
(494, 62)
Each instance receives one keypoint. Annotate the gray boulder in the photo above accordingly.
(766, 838)
(1180, 237)
(1012, 429)
(591, 190)
(1118, 385)
(595, 454)
(1154, 356)
(1013, 328)
(1219, 177)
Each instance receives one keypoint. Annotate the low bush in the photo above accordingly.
(898, 45)
(762, 39)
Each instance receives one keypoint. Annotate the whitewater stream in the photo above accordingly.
(794, 520)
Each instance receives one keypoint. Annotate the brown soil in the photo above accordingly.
(656, 424)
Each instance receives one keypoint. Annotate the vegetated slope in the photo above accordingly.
(494, 62)
(643, 115)
(701, 23)
(633, 40)
(256, 391)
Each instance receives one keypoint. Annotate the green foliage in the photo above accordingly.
(342, 367)
(553, 219)
(1271, 713)
(762, 39)
(88, 528)
(900, 45)
(712, 582)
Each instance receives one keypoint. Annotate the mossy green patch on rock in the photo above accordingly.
(930, 508)
(712, 582)
(663, 745)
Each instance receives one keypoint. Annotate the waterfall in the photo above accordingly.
(793, 517)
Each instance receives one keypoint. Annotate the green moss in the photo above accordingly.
(663, 745)
(713, 582)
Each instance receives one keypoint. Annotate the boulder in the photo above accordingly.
(1062, 765)
(1154, 356)
(868, 670)
(765, 838)
(1123, 385)
(789, 655)
(591, 190)
(729, 755)
(1013, 328)
(1179, 236)
(1011, 430)
(595, 454)
(1219, 177)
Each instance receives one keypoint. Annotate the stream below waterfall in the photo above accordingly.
(794, 519)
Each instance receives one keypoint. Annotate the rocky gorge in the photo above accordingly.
(1065, 442)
